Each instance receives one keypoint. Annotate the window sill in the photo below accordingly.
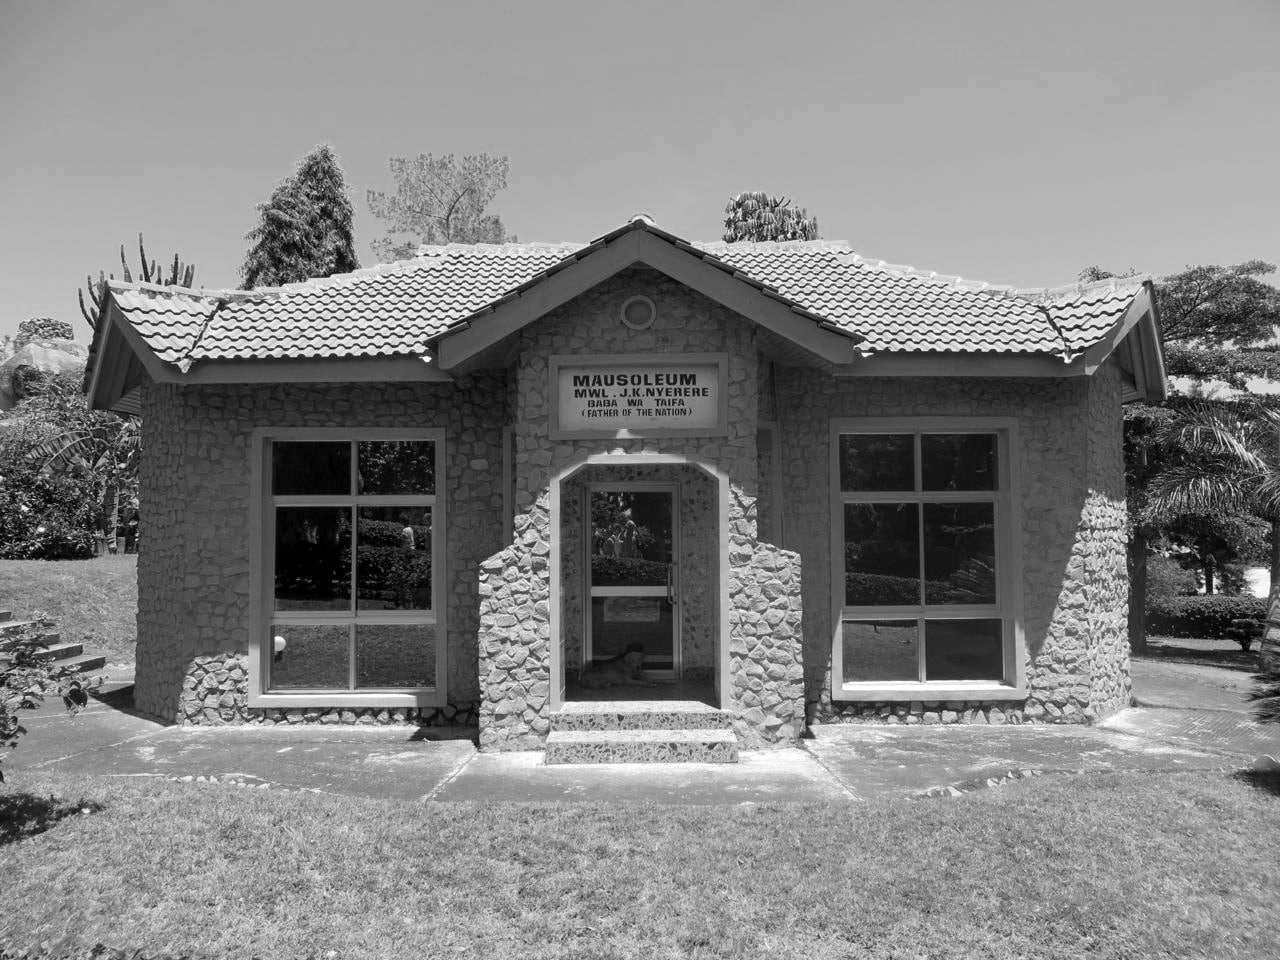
(948, 690)
(286, 701)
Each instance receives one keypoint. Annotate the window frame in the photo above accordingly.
(262, 614)
(1008, 607)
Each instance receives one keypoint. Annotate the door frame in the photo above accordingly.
(554, 614)
(652, 486)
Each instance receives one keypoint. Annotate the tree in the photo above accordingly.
(180, 275)
(305, 229)
(439, 200)
(1227, 463)
(756, 215)
(1207, 313)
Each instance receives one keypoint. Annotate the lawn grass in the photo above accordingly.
(94, 601)
(1103, 866)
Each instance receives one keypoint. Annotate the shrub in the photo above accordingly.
(44, 516)
(1229, 618)
(1168, 578)
(25, 680)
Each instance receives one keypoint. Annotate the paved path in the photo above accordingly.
(1203, 722)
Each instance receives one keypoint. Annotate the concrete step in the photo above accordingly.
(60, 651)
(639, 715)
(49, 638)
(11, 628)
(84, 663)
(641, 746)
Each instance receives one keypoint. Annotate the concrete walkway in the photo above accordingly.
(1194, 718)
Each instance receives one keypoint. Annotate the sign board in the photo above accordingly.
(639, 396)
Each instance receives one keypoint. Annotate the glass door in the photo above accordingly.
(633, 578)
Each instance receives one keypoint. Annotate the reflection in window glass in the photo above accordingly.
(958, 461)
(395, 655)
(881, 650)
(881, 554)
(963, 650)
(310, 468)
(959, 553)
(621, 623)
(305, 657)
(397, 466)
(877, 461)
(313, 558)
(631, 537)
(393, 558)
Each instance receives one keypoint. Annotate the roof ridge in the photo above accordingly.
(1073, 291)
(438, 249)
(266, 293)
(717, 247)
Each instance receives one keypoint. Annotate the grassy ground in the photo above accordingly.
(1104, 866)
(93, 600)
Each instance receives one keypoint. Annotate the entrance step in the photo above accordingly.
(640, 715)
(642, 746)
(641, 731)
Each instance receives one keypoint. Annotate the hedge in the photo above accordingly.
(1203, 616)
(627, 571)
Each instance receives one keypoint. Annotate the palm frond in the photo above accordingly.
(1199, 491)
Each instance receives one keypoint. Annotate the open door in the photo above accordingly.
(633, 578)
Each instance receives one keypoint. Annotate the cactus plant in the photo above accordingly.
(180, 275)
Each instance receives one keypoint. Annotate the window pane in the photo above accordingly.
(959, 553)
(393, 562)
(880, 650)
(311, 467)
(313, 558)
(631, 538)
(621, 623)
(397, 466)
(881, 554)
(306, 657)
(395, 655)
(963, 650)
(958, 461)
(877, 461)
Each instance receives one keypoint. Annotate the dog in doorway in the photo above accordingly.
(622, 671)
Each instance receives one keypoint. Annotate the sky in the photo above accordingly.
(1012, 142)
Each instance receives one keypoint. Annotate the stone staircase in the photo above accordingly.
(641, 731)
(69, 655)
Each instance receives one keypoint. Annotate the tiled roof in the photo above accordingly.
(395, 309)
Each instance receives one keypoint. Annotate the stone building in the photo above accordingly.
(786, 484)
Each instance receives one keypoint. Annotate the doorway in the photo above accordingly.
(633, 575)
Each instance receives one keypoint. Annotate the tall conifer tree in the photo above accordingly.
(306, 227)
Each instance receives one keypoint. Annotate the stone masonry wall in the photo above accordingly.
(1105, 534)
(766, 672)
(589, 326)
(514, 646)
(1074, 624)
(193, 629)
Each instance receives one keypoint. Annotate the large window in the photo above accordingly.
(924, 536)
(351, 556)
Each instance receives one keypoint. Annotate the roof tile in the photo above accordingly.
(395, 309)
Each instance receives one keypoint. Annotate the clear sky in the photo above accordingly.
(1014, 142)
